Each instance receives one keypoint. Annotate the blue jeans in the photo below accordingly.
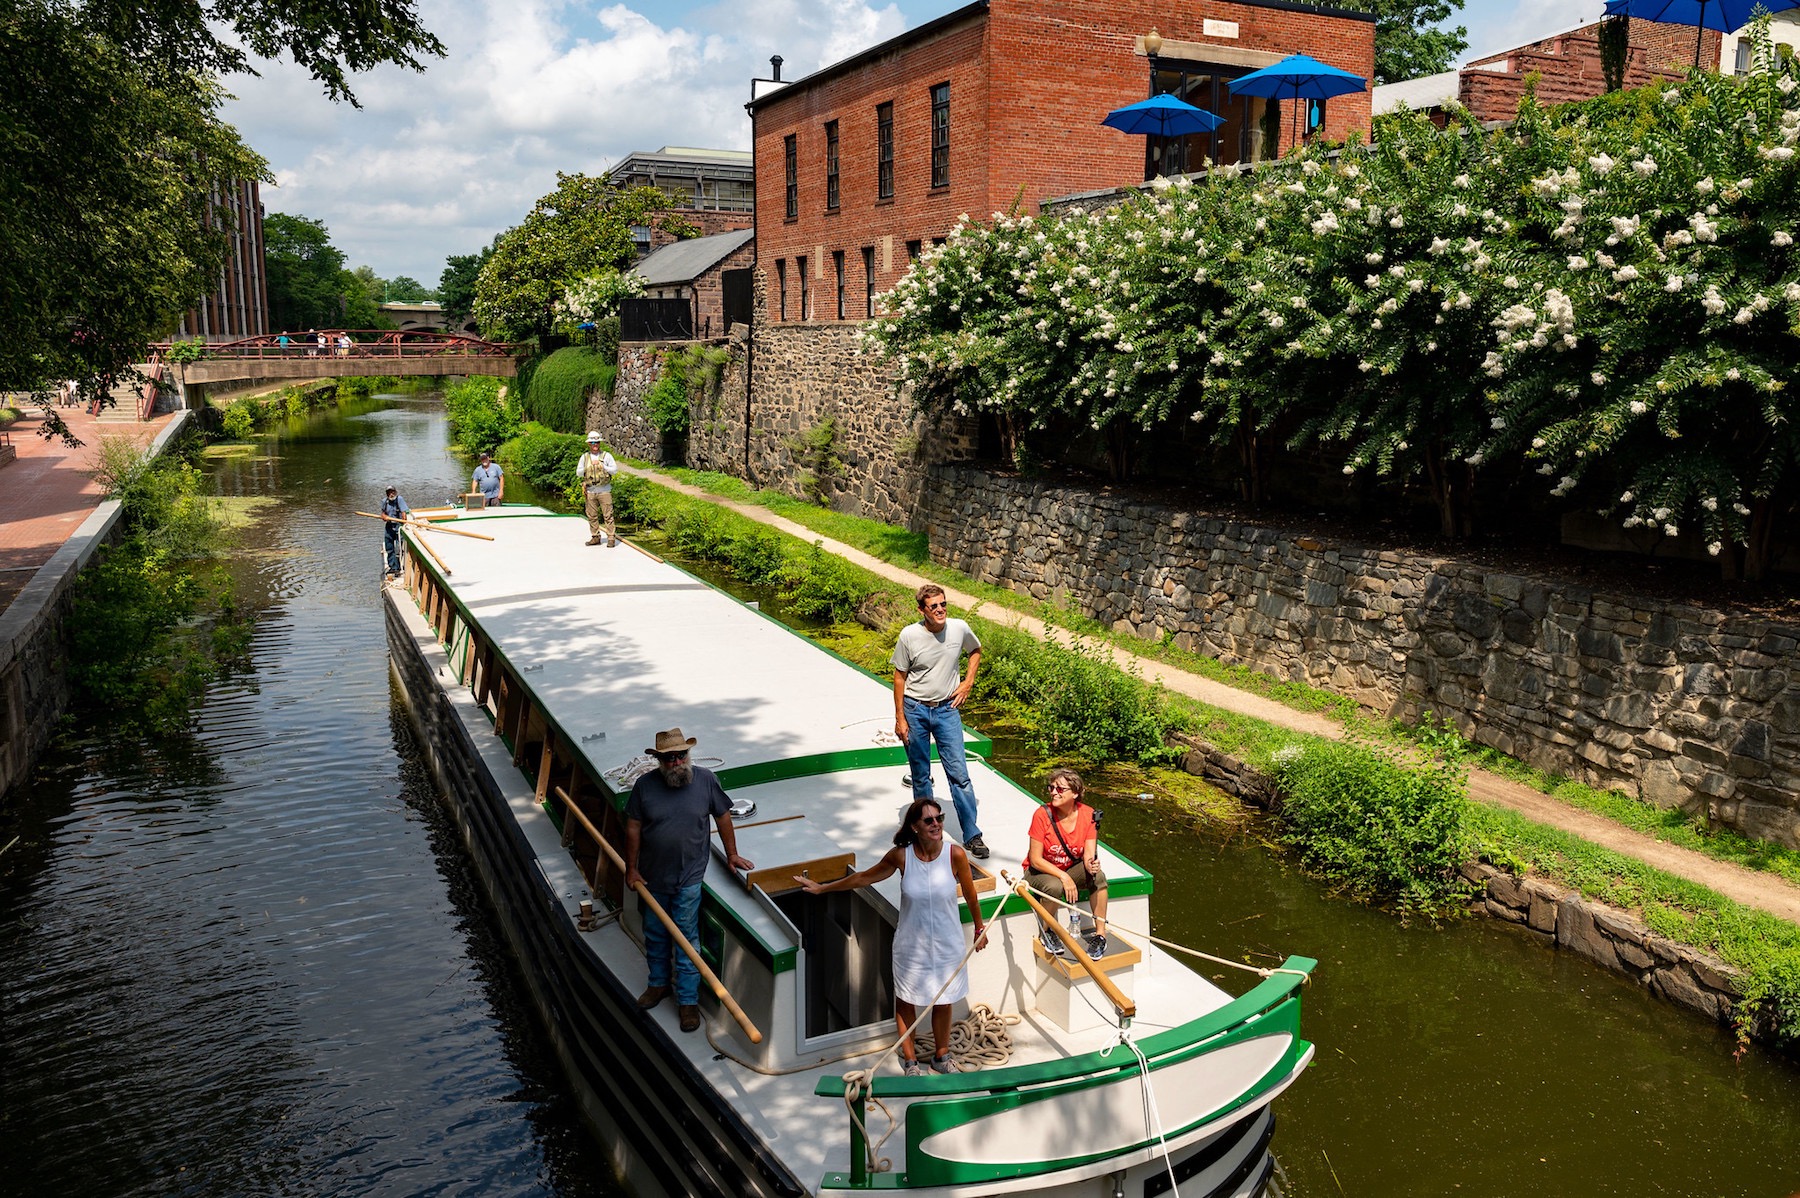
(943, 723)
(683, 906)
(391, 542)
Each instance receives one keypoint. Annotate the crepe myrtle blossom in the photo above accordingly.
(1782, 239)
(1639, 407)
(1601, 163)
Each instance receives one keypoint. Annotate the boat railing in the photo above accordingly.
(940, 1103)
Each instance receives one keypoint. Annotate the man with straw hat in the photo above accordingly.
(666, 848)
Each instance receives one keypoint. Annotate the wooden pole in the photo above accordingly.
(681, 940)
(1126, 1008)
(427, 526)
(442, 565)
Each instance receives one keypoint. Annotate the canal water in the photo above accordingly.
(253, 960)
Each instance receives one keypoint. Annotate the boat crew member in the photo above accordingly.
(927, 696)
(1064, 858)
(928, 940)
(395, 507)
(595, 472)
(489, 480)
(666, 848)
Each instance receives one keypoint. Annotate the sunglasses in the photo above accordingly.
(937, 607)
(679, 755)
(1057, 788)
(931, 819)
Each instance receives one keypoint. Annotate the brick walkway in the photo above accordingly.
(45, 493)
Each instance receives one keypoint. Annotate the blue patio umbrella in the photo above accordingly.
(1162, 116)
(1298, 77)
(1722, 15)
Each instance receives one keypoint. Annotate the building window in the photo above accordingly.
(830, 164)
(884, 151)
(869, 281)
(1743, 56)
(1251, 128)
(781, 284)
(790, 146)
(940, 135)
(805, 291)
(913, 249)
(837, 266)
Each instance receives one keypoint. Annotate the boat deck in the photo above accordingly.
(612, 646)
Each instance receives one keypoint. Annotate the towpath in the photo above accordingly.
(1765, 892)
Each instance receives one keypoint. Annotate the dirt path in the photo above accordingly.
(1765, 892)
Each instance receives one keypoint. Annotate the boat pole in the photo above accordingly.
(428, 526)
(1126, 1008)
(442, 564)
(675, 933)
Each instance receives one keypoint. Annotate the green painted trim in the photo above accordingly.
(1268, 994)
(785, 769)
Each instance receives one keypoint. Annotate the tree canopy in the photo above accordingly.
(1408, 42)
(456, 285)
(581, 229)
(110, 131)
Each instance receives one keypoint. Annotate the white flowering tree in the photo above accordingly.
(593, 298)
(1675, 268)
(1607, 295)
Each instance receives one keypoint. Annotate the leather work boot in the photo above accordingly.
(596, 541)
(690, 1017)
(651, 997)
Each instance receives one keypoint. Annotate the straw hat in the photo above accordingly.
(672, 741)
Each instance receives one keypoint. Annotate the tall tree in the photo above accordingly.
(582, 228)
(1409, 42)
(107, 233)
(404, 289)
(305, 272)
(456, 286)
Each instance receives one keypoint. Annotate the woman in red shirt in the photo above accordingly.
(1065, 858)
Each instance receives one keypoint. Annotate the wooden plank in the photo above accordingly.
(779, 879)
(545, 760)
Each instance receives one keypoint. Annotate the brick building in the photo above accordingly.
(864, 162)
(713, 190)
(1567, 67)
(239, 305)
(701, 271)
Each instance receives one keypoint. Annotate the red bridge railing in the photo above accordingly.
(363, 343)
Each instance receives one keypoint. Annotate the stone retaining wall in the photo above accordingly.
(1612, 939)
(803, 374)
(34, 686)
(1685, 706)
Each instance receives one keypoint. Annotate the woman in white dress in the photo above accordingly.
(928, 941)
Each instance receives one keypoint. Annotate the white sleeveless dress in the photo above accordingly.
(928, 942)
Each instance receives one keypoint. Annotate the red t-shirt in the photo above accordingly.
(1042, 831)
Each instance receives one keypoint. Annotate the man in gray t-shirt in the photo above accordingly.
(667, 843)
(928, 690)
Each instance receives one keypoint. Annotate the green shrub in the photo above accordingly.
(149, 624)
(666, 403)
(556, 393)
(758, 557)
(819, 586)
(546, 459)
(240, 419)
(480, 419)
(1080, 702)
(1384, 826)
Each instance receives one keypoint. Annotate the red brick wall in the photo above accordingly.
(708, 222)
(1568, 67)
(1029, 82)
(709, 292)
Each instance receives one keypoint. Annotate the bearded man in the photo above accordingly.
(666, 846)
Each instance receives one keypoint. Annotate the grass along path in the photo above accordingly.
(1761, 891)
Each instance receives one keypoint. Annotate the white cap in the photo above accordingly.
(593, 436)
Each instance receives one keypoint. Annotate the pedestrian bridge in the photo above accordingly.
(369, 352)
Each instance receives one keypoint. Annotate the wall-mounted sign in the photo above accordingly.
(1219, 28)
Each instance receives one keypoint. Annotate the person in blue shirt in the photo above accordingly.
(395, 507)
(489, 480)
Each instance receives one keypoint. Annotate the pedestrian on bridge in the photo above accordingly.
(489, 480)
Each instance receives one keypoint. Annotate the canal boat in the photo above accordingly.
(536, 671)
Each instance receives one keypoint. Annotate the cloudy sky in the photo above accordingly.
(436, 163)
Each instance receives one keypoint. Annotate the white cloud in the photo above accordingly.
(438, 162)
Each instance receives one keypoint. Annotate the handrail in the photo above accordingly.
(675, 933)
(147, 400)
(365, 343)
(1252, 1005)
(1124, 1006)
